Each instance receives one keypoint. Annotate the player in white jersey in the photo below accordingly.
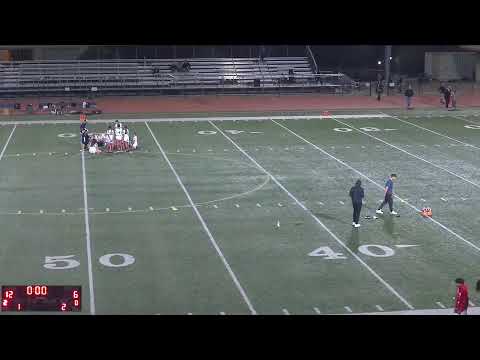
(118, 136)
(110, 137)
(126, 138)
(126, 141)
(135, 141)
(93, 148)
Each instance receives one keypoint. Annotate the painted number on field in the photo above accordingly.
(362, 128)
(67, 135)
(327, 253)
(60, 262)
(376, 250)
(126, 260)
(232, 132)
(207, 132)
(66, 262)
(476, 127)
(371, 250)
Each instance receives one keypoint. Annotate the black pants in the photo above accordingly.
(447, 101)
(388, 200)
(357, 207)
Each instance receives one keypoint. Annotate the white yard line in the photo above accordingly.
(379, 186)
(204, 225)
(409, 153)
(8, 140)
(433, 132)
(447, 311)
(468, 121)
(378, 277)
(198, 119)
(379, 308)
(440, 304)
(348, 309)
(87, 237)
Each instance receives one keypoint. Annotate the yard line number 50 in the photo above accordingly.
(68, 261)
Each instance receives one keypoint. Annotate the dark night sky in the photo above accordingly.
(408, 59)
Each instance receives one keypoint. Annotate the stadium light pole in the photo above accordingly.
(388, 54)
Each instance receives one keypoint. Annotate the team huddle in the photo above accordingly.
(116, 138)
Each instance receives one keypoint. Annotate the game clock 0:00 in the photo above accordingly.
(41, 298)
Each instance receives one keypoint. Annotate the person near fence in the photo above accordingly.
(453, 99)
(379, 89)
(446, 95)
(408, 97)
(399, 84)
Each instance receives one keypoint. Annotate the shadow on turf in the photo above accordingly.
(325, 216)
(354, 241)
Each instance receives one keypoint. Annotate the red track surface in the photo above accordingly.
(212, 104)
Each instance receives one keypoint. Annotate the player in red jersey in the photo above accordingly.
(461, 297)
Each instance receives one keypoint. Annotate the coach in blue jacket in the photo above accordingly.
(357, 195)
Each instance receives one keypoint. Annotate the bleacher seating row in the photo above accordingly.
(212, 73)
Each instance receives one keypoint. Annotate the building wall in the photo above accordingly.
(450, 65)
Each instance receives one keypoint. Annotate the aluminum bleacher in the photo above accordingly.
(205, 74)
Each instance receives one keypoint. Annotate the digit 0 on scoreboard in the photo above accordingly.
(38, 297)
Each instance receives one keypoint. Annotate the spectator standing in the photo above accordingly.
(379, 89)
(446, 95)
(453, 99)
(408, 97)
(400, 80)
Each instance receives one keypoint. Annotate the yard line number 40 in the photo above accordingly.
(327, 253)
(68, 261)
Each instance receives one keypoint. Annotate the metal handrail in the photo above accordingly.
(309, 51)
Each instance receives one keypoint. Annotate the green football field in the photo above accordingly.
(246, 215)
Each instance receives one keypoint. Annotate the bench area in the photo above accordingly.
(234, 75)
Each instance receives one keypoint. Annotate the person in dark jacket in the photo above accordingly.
(446, 95)
(408, 97)
(85, 139)
(379, 89)
(357, 194)
(83, 126)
